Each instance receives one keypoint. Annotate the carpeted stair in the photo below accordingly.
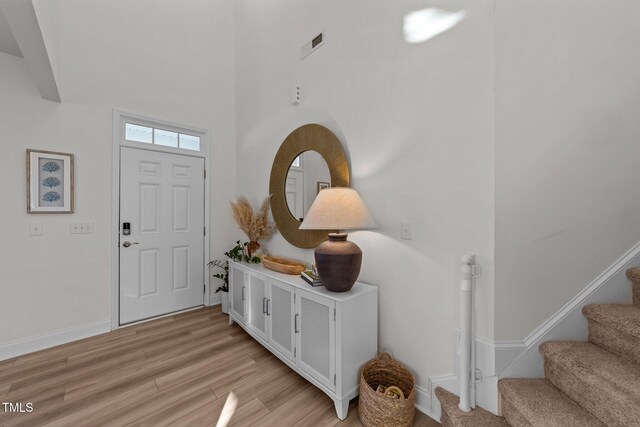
(594, 383)
(452, 416)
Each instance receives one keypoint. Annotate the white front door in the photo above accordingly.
(162, 259)
(294, 192)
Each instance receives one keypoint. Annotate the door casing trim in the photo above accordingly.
(118, 141)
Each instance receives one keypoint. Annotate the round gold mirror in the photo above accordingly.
(310, 159)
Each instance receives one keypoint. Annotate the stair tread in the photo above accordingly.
(540, 403)
(623, 317)
(633, 274)
(458, 418)
(604, 370)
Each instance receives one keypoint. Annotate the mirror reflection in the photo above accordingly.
(308, 174)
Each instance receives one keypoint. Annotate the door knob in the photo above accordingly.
(127, 244)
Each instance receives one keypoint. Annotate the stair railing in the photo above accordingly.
(466, 346)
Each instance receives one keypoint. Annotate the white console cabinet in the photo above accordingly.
(324, 336)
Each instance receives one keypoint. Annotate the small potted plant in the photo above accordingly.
(224, 288)
(237, 253)
(256, 225)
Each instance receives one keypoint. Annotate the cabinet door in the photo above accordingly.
(237, 290)
(315, 336)
(257, 303)
(280, 311)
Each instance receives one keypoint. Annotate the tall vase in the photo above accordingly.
(252, 247)
(224, 302)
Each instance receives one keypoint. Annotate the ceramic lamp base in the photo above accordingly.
(338, 261)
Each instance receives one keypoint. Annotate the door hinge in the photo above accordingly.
(477, 376)
(334, 379)
(205, 174)
(204, 288)
(205, 230)
(295, 351)
(334, 314)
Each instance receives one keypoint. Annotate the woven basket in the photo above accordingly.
(377, 410)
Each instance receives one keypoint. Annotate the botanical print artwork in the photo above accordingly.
(51, 178)
(49, 182)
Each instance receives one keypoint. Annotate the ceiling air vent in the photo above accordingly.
(312, 46)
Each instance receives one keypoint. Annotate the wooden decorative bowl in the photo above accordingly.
(283, 265)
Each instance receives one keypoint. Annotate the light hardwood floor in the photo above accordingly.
(177, 371)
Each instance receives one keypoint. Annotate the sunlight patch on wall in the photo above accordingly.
(422, 25)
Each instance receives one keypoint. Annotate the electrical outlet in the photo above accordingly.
(81, 227)
(35, 229)
(405, 230)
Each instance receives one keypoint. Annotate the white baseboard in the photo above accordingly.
(487, 394)
(426, 400)
(486, 389)
(22, 346)
(52, 339)
(214, 299)
(423, 401)
(499, 359)
(523, 360)
(506, 352)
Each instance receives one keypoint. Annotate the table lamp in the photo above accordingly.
(337, 259)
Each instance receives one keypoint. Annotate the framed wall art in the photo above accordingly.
(323, 185)
(49, 182)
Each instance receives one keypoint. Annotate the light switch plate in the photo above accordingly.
(81, 227)
(35, 229)
(296, 94)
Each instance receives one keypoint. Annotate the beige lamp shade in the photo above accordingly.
(337, 208)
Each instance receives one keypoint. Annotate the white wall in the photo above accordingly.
(169, 60)
(567, 128)
(417, 123)
(424, 130)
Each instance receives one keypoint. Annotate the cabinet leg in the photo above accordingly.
(231, 322)
(342, 408)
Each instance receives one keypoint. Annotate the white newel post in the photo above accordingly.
(466, 328)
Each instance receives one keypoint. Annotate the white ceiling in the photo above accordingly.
(7, 41)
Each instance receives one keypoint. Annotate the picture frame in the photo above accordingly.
(49, 182)
(323, 185)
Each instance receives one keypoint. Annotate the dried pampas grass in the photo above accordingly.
(255, 225)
